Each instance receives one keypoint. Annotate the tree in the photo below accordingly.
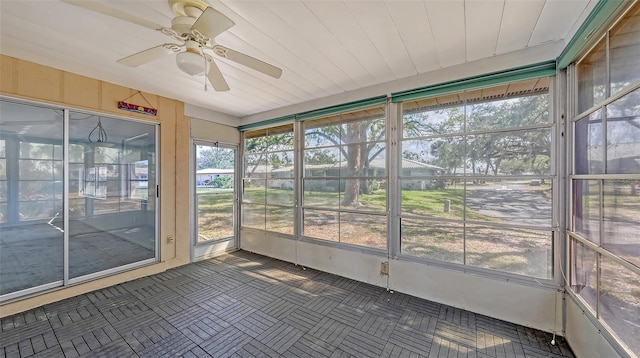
(218, 158)
(359, 143)
(275, 149)
(319, 157)
(511, 151)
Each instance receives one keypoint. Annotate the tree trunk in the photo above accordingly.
(354, 163)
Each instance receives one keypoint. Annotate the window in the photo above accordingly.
(345, 178)
(604, 232)
(477, 178)
(268, 181)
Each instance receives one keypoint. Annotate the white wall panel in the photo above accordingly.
(350, 264)
(273, 246)
(583, 336)
(207, 130)
(517, 303)
(216, 249)
(209, 115)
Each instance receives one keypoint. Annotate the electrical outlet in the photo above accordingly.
(384, 269)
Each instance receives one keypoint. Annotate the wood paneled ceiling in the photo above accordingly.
(325, 48)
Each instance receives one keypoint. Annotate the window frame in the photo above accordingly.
(574, 238)
(339, 210)
(264, 204)
(554, 228)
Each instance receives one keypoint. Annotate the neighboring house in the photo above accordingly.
(282, 177)
(206, 176)
(413, 168)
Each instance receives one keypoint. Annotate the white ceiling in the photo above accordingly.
(325, 47)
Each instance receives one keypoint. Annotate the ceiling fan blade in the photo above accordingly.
(212, 23)
(100, 8)
(246, 60)
(149, 55)
(215, 77)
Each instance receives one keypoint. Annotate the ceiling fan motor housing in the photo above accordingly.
(187, 12)
(182, 24)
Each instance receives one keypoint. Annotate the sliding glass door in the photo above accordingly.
(31, 197)
(77, 196)
(112, 182)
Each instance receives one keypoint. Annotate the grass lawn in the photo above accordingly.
(525, 252)
(215, 214)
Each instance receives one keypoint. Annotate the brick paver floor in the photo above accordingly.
(247, 305)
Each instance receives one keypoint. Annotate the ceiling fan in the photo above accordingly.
(196, 25)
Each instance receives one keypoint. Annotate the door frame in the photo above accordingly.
(216, 247)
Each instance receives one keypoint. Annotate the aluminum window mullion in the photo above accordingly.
(604, 113)
(298, 167)
(606, 102)
(464, 186)
(276, 205)
(483, 223)
(345, 144)
(247, 154)
(598, 254)
(394, 167)
(340, 178)
(349, 211)
(481, 132)
(604, 252)
(65, 196)
(455, 177)
(604, 176)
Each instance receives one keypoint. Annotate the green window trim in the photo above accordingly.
(342, 108)
(267, 123)
(593, 24)
(542, 69)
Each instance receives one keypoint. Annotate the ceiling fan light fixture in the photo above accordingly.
(191, 63)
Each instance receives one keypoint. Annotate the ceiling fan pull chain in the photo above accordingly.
(205, 68)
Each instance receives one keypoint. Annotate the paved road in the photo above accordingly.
(514, 203)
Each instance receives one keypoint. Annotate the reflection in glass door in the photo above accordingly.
(214, 198)
(112, 194)
(31, 202)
